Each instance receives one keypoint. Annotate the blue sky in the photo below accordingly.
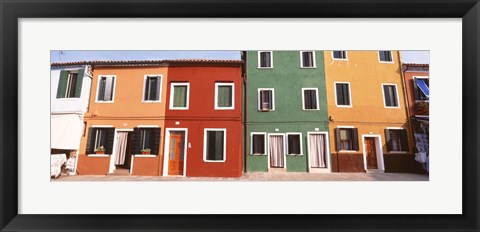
(69, 56)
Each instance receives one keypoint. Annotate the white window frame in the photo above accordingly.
(205, 145)
(406, 137)
(385, 102)
(346, 55)
(273, 99)
(286, 143)
(314, 60)
(284, 151)
(217, 84)
(416, 86)
(160, 76)
(264, 142)
(346, 127)
(259, 62)
(349, 94)
(386, 62)
(327, 149)
(172, 90)
(303, 99)
(113, 90)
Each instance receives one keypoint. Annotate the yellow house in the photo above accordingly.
(368, 120)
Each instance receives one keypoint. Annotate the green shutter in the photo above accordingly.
(180, 96)
(78, 85)
(62, 84)
(388, 140)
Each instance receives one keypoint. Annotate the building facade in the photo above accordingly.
(369, 126)
(286, 112)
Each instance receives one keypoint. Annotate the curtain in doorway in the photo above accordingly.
(121, 148)
(316, 150)
(276, 151)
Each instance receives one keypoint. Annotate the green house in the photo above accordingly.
(286, 112)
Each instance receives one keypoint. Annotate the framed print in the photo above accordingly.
(321, 34)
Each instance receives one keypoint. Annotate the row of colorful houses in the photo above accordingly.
(271, 111)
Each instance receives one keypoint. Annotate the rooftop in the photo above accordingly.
(148, 62)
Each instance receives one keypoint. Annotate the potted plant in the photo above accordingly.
(145, 151)
(421, 108)
(100, 150)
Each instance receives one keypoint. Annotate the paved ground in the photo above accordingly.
(262, 177)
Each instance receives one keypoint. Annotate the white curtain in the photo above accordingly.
(316, 150)
(121, 147)
(276, 151)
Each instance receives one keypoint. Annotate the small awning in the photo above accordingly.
(66, 130)
(423, 87)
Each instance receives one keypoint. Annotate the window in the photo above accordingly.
(342, 94)
(179, 96)
(214, 145)
(152, 89)
(307, 59)
(346, 139)
(396, 140)
(106, 87)
(70, 84)
(224, 96)
(294, 143)
(422, 88)
(100, 137)
(265, 59)
(390, 96)
(310, 98)
(266, 100)
(385, 56)
(258, 143)
(339, 55)
(145, 138)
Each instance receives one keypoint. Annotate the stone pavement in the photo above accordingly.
(260, 177)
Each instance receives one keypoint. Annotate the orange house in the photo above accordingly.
(125, 119)
(369, 127)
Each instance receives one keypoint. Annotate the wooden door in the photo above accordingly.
(371, 151)
(176, 153)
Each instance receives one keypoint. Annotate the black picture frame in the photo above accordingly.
(11, 11)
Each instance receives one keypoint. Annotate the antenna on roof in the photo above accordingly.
(60, 55)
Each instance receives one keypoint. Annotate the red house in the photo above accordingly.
(203, 119)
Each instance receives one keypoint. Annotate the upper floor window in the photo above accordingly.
(390, 96)
(70, 84)
(422, 88)
(342, 94)
(266, 100)
(106, 88)
(265, 59)
(385, 56)
(224, 96)
(307, 59)
(179, 96)
(396, 140)
(152, 88)
(310, 98)
(339, 55)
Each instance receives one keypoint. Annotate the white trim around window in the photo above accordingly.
(160, 77)
(349, 94)
(303, 99)
(172, 88)
(313, 57)
(205, 144)
(265, 146)
(113, 91)
(396, 93)
(217, 84)
(273, 98)
(340, 59)
(258, 59)
(386, 62)
(300, 141)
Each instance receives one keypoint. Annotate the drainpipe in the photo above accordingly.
(407, 105)
(243, 55)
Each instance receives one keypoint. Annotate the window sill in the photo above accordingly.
(265, 67)
(214, 161)
(398, 152)
(347, 151)
(265, 110)
(335, 59)
(392, 107)
(295, 154)
(386, 62)
(144, 156)
(103, 102)
(311, 109)
(258, 154)
(98, 155)
(68, 98)
(178, 108)
(309, 67)
(225, 108)
(344, 106)
(151, 101)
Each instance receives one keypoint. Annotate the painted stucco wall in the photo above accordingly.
(287, 79)
(368, 113)
(70, 105)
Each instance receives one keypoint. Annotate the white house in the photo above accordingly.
(70, 92)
